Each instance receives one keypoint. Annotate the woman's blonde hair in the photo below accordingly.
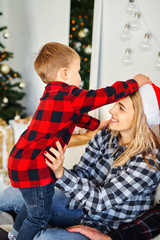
(51, 57)
(143, 138)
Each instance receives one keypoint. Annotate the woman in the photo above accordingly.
(116, 178)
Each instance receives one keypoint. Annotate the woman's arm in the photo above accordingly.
(80, 184)
(116, 191)
(91, 233)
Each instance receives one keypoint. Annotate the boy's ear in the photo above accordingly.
(63, 73)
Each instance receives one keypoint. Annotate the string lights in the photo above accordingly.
(135, 15)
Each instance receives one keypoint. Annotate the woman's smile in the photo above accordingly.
(113, 120)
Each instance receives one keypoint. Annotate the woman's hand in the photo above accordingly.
(91, 233)
(56, 163)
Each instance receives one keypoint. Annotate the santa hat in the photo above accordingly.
(150, 95)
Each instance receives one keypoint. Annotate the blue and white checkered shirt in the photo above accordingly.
(109, 196)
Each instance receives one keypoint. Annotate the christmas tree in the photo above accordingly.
(81, 34)
(11, 85)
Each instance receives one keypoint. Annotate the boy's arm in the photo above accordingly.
(88, 122)
(84, 101)
(91, 123)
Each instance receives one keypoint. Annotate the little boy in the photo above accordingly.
(62, 107)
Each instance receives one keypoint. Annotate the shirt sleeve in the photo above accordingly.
(84, 101)
(88, 122)
(79, 186)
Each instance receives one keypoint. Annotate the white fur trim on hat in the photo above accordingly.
(150, 105)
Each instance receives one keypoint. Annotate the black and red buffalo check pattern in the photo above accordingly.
(61, 108)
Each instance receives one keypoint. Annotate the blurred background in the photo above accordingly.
(115, 39)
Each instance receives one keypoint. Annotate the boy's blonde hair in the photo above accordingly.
(143, 138)
(51, 57)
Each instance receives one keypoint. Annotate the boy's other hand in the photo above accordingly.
(142, 80)
(103, 124)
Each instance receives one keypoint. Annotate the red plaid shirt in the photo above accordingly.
(61, 108)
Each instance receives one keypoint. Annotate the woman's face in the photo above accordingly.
(122, 115)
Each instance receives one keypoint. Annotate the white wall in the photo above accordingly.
(111, 18)
(31, 24)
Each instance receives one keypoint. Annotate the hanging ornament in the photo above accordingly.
(5, 100)
(157, 62)
(88, 49)
(6, 34)
(126, 35)
(86, 30)
(127, 59)
(131, 7)
(146, 44)
(82, 34)
(78, 46)
(17, 116)
(22, 84)
(135, 24)
(4, 68)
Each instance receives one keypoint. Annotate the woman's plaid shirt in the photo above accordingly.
(61, 108)
(109, 196)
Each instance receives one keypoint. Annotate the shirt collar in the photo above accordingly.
(55, 85)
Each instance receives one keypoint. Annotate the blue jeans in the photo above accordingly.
(38, 202)
(11, 199)
(58, 234)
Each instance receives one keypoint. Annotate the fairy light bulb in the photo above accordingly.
(126, 35)
(131, 7)
(157, 62)
(146, 44)
(135, 24)
(127, 59)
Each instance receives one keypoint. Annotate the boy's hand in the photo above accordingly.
(142, 80)
(56, 162)
(103, 124)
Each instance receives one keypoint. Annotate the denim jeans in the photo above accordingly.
(58, 234)
(11, 199)
(38, 201)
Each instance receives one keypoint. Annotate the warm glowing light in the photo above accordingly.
(82, 23)
(70, 36)
(73, 29)
(85, 59)
(15, 74)
(73, 21)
